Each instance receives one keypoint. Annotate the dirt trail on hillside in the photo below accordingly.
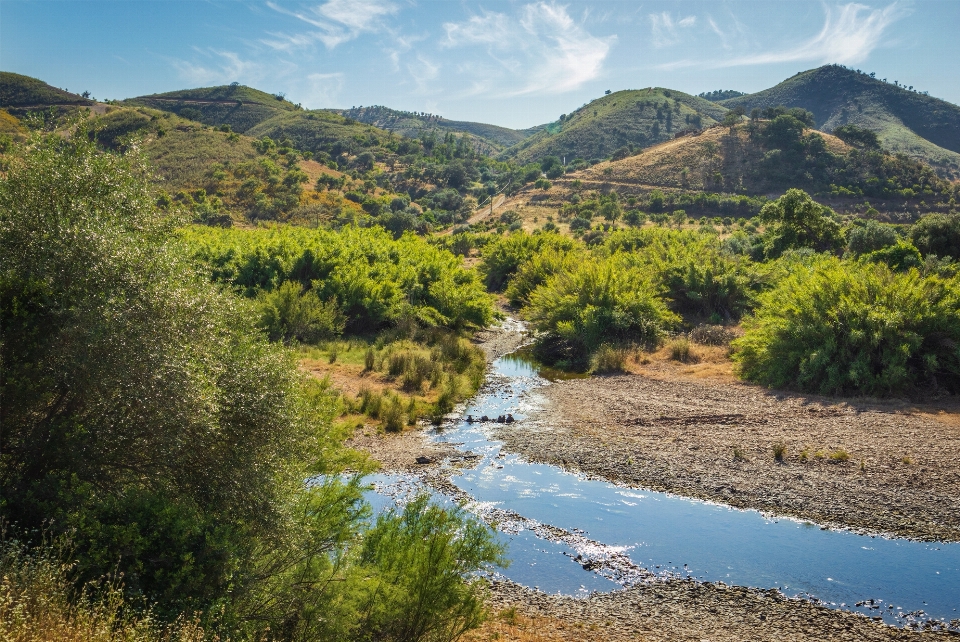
(878, 467)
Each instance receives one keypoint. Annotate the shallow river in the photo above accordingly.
(572, 535)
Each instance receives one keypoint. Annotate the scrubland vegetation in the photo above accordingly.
(153, 429)
(203, 295)
(827, 307)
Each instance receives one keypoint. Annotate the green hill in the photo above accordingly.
(906, 121)
(323, 131)
(239, 106)
(413, 125)
(620, 122)
(21, 92)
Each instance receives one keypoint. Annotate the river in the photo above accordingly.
(572, 535)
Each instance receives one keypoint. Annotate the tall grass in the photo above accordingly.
(39, 603)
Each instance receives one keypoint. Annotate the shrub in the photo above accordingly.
(937, 234)
(797, 221)
(598, 301)
(609, 358)
(40, 601)
(377, 281)
(712, 335)
(838, 327)
(420, 557)
(287, 315)
(682, 351)
(869, 237)
(839, 456)
(504, 256)
(779, 450)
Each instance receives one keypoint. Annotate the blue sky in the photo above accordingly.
(515, 64)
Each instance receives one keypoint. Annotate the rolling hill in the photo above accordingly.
(906, 121)
(631, 119)
(18, 93)
(755, 159)
(239, 106)
(322, 131)
(412, 124)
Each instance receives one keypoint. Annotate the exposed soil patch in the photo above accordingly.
(676, 610)
(398, 452)
(883, 467)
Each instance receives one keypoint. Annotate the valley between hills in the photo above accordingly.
(744, 301)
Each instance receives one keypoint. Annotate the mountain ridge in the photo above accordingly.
(906, 121)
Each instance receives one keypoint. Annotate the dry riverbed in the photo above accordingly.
(673, 611)
(881, 467)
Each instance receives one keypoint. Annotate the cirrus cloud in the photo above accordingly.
(541, 49)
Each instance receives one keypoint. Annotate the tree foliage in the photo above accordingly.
(797, 221)
(146, 418)
(376, 281)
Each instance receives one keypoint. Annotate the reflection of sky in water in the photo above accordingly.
(666, 533)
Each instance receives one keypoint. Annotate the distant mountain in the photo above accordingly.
(21, 94)
(414, 124)
(906, 121)
(239, 106)
(626, 120)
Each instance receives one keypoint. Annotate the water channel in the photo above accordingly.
(569, 534)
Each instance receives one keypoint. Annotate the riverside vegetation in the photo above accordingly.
(169, 467)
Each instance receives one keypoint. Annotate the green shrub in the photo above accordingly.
(838, 327)
(504, 256)
(537, 270)
(682, 350)
(421, 558)
(899, 256)
(780, 451)
(937, 234)
(599, 301)
(377, 281)
(797, 221)
(870, 237)
(287, 315)
(696, 274)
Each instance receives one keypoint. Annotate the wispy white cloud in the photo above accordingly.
(539, 49)
(218, 67)
(323, 89)
(336, 22)
(849, 35)
(665, 31)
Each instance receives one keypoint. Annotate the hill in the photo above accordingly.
(19, 92)
(239, 106)
(906, 121)
(625, 121)
(322, 131)
(760, 158)
(413, 125)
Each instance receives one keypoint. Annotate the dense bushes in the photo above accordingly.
(502, 258)
(594, 302)
(148, 420)
(376, 281)
(697, 276)
(838, 327)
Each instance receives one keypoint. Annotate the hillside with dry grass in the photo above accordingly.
(716, 159)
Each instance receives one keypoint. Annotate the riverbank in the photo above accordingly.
(674, 611)
(880, 467)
